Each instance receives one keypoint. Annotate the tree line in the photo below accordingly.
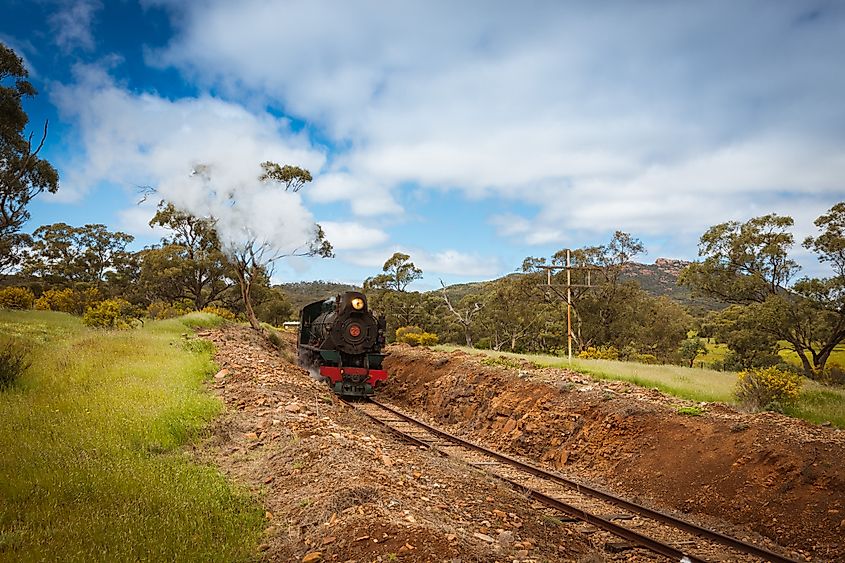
(745, 266)
(522, 313)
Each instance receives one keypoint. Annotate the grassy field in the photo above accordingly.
(716, 352)
(92, 466)
(818, 403)
(837, 357)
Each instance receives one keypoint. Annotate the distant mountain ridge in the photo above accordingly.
(302, 293)
(657, 279)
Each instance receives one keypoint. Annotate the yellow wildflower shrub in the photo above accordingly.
(767, 389)
(16, 298)
(415, 336)
(75, 301)
(221, 312)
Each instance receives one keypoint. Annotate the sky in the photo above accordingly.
(468, 135)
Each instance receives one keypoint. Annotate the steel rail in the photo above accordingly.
(668, 519)
(620, 531)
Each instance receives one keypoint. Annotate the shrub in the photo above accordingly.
(275, 338)
(415, 336)
(74, 301)
(769, 389)
(221, 312)
(111, 313)
(483, 343)
(14, 361)
(599, 353)
(690, 411)
(426, 339)
(16, 298)
(160, 310)
(403, 330)
(645, 359)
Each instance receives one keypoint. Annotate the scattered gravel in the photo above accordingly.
(337, 487)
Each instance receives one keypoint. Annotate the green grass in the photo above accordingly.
(818, 403)
(693, 384)
(837, 357)
(92, 467)
(717, 352)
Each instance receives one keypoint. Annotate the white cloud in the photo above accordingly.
(142, 139)
(352, 236)
(367, 199)
(71, 24)
(448, 261)
(657, 119)
(135, 220)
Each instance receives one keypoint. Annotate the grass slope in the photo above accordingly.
(91, 465)
(818, 403)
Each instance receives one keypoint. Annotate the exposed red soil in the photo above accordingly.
(337, 487)
(765, 474)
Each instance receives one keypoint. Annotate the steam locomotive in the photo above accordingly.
(341, 339)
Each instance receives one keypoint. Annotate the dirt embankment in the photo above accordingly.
(744, 474)
(336, 487)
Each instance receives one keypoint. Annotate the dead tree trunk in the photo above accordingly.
(465, 318)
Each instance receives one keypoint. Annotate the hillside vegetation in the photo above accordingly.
(300, 294)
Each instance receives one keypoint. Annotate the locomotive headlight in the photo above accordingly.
(357, 303)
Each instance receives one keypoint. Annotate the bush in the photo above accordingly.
(221, 312)
(14, 361)
(112, 313)
(600, 353)
(160, 310)
(768, 389)
(403, 330)
(483, 343)
(645, 359)
(74, 301)
(16, 298)
(415, 336)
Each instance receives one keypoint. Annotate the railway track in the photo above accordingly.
(639, 527)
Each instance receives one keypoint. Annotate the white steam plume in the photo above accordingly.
(143, 139)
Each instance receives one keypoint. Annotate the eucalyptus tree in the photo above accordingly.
(190, 263)
(23, 174)
(748, 265)
(255, 254)
(63, 254)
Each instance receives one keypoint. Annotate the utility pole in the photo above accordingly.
(569, 285)
(569, 305)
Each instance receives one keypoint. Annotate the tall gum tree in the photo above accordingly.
(747, 264)
(389, 295)
(255, 255)
(397, 273)
(64, 255)
(23, 174)
(190, 263)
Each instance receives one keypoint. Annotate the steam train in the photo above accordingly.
(342, 339)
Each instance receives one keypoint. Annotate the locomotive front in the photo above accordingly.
(343, 339)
